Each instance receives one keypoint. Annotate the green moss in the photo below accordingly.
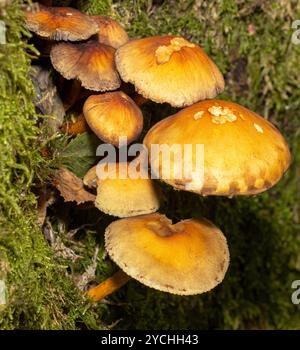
(95, 7)
(39, 295)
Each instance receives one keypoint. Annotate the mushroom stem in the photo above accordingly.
(108, 286)
(73, 95)
(139, 99)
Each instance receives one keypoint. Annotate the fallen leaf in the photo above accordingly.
(80, 154)
(71, 187)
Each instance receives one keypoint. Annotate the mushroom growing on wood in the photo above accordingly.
(186, 258)
(60, 23)
(113, 115)
(91, 63)
(122, 196)
(110, 32)
(243, 153)
(169, 69)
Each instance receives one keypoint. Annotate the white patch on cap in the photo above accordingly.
(164, 52)
(222, 115)
(198, 115)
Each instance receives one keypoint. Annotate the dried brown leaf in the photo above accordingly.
(71, 187)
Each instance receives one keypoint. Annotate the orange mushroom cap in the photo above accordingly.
(113, 115)
(110, 32)
(243, 153)
(91, 63)
(60, 23)
(190, 257)
(169, 69)
(124, 197)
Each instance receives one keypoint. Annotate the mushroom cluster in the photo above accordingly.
(243, 154)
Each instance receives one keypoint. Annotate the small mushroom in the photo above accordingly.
(110, 32)
(112, 115)
(91, 63)
(60, 23)
(120, 195)
(186, 258)
(169, 69)
(243, 153)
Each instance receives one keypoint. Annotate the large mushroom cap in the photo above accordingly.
(169, 69)
(113, 115)
(60, 23)
(91, 63)
(110, 32)
(190, 257)
(243, 153)
(122, 196)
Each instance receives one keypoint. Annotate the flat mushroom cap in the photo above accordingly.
(125, 197)
(91, 63)
(243, 153)
(190, 257)
(110, 32)
(113, 115)
(60, 23)
(169, 69)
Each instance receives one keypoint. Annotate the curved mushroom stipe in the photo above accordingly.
(109, 286)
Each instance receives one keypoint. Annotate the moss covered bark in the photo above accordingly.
(38, 292)
(251, 43)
